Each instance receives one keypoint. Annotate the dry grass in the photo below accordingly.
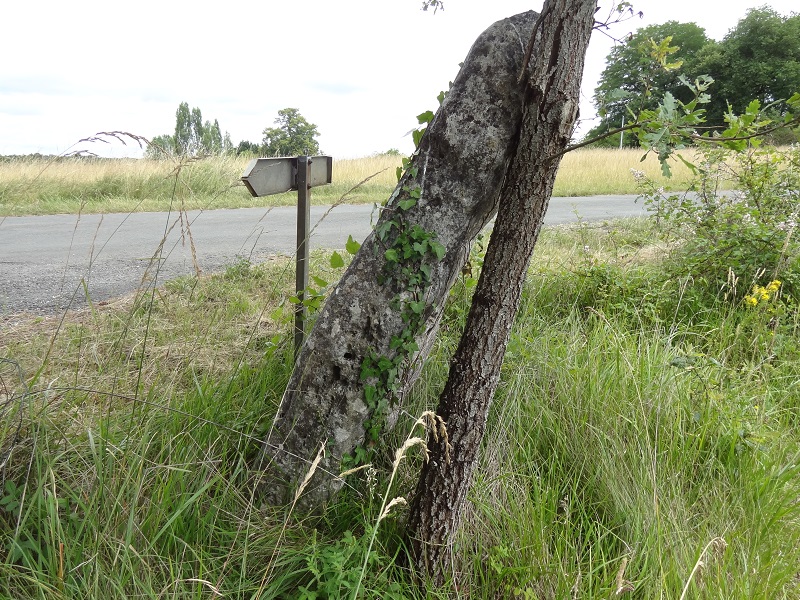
(187, 331)
(589, 172)
(73, 185)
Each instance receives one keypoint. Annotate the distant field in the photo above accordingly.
(33, 187)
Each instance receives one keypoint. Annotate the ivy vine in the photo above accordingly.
(409, 252)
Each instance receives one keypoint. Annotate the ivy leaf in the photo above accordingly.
(437, 249)
(352, 246)
(425, 117)
(370, 393)
(417, 307)
(426, 271)
(337, 262)
(416, 135)
(391, 255)
(411, 346)
(406, 204)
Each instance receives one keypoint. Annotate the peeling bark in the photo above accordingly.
(551, 108)
(461, 164)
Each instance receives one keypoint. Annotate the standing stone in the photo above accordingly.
(458, 171)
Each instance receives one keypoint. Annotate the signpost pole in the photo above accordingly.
(267, 176)
(303, 225)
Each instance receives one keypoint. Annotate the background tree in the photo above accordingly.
(249, 148)
(161, 146)
(632, 81)
(192, 136)
(758, 59)
(183, 130)
(293, 135)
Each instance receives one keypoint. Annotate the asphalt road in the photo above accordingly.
(48, 263)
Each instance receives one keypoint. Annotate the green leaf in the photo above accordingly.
(352, 246)
(426, 271)
(437, 249)
(370, 393)
(391, 255)
(319, 281)
(337, 262)
(411, 346)
(416, 135)
(688, 165)
(406, 204)
(425, 117)
(417, 307)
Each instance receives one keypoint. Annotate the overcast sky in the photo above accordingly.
(360, 70)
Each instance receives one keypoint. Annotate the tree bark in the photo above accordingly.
(457, 172)
(551, 108)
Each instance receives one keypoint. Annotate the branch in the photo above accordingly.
(591, 141)
(795, 121)
(694, 137)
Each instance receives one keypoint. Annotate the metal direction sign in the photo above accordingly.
(267, 176)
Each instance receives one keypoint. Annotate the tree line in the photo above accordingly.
(292, 135)
(758, 59)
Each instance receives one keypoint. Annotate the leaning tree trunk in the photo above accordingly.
(385, 310)
(551, 107)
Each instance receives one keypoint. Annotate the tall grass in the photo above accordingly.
(73, 185)
(636, 445)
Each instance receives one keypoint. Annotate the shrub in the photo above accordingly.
(747, 232)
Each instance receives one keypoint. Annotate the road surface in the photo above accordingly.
(45, 261)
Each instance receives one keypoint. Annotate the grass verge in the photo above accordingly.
(637, 444)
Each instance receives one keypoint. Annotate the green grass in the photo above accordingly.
(643, 435)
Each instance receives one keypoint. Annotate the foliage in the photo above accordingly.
(248, 148)
(410, 251)
(749, 232)
(759, 58)
(293, 136)
(632, 81)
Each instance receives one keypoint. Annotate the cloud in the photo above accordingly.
(338, 88)
(43, 84)
(21, 108)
